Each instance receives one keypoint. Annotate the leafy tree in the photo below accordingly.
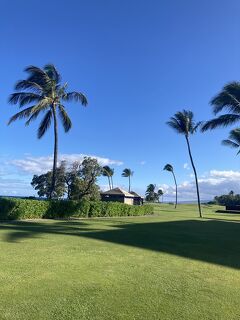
(228, 99)
(169, 167)
(150, 193)
(108, 172)
(183, 123)
(83, 179)
(44, 92)
(128, 173)
(233, 140)
(43, 183)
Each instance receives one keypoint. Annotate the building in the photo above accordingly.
(121, 195)
(137, 200)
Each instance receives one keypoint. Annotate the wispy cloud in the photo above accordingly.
(39, 165)
(186, 166)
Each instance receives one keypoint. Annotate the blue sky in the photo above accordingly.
(138, 62)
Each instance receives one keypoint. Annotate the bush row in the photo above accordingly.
(14, 209)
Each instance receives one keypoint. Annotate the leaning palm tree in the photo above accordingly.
(233, 140)
(128, 173)
(44, 92)
(169, 167)
(183, 123)
(228, 99)
(108, 172)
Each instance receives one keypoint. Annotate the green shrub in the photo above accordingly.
(14, 209)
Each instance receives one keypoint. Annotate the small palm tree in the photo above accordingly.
(160, 194)
(45, 94)
(228, 99)
(108, 172)
(183, 123)
(233, 140)
(169, 167)
(128, 173)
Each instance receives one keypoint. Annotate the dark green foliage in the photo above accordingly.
(17, 209)
(228, 199)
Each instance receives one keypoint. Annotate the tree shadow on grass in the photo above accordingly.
(213, 241)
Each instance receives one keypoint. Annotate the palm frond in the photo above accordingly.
(52, 72)
(24, 98)
(37, 75)
(66, 121)
(230, 143)
(20, 115)
(37, 109)
(25, 84)
(222, 121)
(174, 124)
(45, 124)
(75, 96)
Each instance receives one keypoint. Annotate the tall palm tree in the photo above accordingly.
(108, 172)
(169, 167)
(183, 123)
(44, 92)
(233, 140)
(128, 173)
(228, 99)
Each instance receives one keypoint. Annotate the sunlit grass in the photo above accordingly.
(169, 266)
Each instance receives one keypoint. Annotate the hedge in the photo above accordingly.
(18, 209)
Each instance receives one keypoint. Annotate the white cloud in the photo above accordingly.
(214, 183)
(39, 165)
(186, 166)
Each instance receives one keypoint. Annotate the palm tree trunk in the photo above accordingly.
(112, 181)
(176, 189)
(195, 174)
(55, 154)
(109, 183)
(129, 183)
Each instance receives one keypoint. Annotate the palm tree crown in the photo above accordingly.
(168, 167)
(228, 99)
(43, 89)
(44, 92)
(183, 123)
(233, 140)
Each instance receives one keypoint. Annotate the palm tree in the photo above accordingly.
(44, 92)
(233, 140)
(150, 193)
(169, 167)
(108, 172)
(128, 173)
(228, 99)
(160, 194)
(183, 123)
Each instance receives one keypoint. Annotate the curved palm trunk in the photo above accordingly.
(55, 154)
(176, 189)
(195, 174)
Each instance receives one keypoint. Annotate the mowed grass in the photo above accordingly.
(169, 266)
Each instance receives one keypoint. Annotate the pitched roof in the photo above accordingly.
(135, 194)
(118, 191)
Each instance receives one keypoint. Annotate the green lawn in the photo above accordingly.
(170, 266)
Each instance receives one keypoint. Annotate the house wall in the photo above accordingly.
(128, 201)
